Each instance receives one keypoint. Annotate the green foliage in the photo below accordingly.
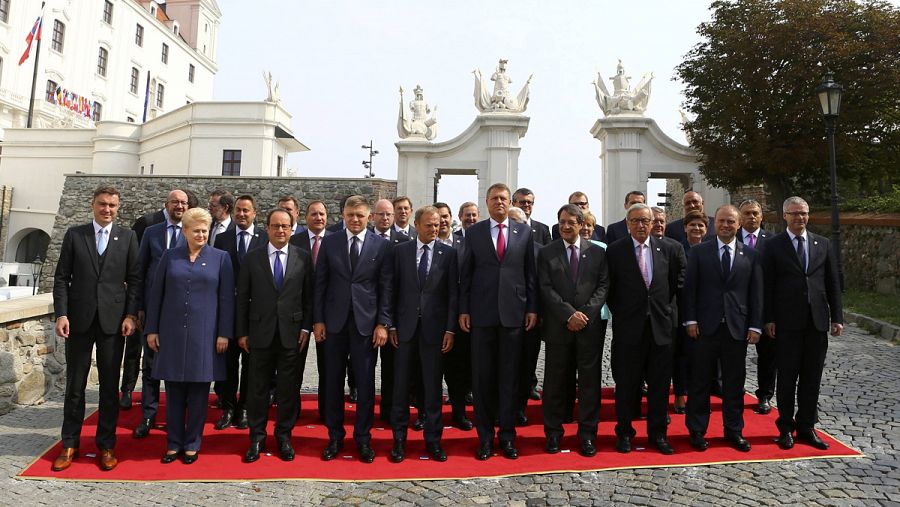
(750, 85)
(888, 203)
(871, 304)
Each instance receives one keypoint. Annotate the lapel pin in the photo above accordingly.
(740, 253)
(440, 252)
(815, 242)
(657, 249)
(115, 238)
(203, 264)
(584, 256)
(515, 231)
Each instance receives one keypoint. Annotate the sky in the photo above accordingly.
(339, 65)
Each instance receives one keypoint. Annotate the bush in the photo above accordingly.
(887, 203)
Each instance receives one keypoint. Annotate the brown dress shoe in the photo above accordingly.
(65, 459)
(108, 460)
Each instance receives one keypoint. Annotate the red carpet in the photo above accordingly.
(221, 453)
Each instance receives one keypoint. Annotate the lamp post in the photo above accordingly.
(829, 94)
(368, 163)
(37, 266)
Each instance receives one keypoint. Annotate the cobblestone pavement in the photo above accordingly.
(859, 404)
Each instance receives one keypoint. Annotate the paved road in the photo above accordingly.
(860, 404)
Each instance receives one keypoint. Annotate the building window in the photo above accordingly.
(102, 60)
(165, 53)
(107, 12)
(231, 162)
(191, 72)
(278, 165)
(139, 36)
(1, 72)
(160, 95)
(50, 93)
(4, 10)
(98, 111)
(59, 36)
(134, 80)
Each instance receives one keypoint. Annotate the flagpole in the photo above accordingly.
(37, 57)
(146, 97)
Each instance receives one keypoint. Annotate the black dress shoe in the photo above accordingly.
(663, 446)
(436, 452)
(398, 452)
(698, 442)
(521, 419)
(763, 406)
(785, 441)
(509, 450)
(588, 449)
(125, 401)
(353, 396)
(737, 440)
(332, 449)
(225, 420)
(623, 444)
(810, 437)
(143, 428)
(286, 450)
(533, 394)
(169, 457)
(256, 448)
(240, 420)
(552, 446)
(463, 423)
(469, 398)
(189, 459)
(680, 410)
(484, 452)
(419, 424)
(366, 454)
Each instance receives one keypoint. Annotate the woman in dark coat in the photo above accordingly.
(190, 321)
(695, 227)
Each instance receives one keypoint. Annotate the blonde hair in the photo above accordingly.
(196, 215)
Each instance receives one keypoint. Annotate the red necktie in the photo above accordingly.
(315, 250)
(501, 243)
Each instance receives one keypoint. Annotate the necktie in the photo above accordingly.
(753, 241)
(278, 270)
(801, 253)
(242, 245)
(642, 263)
(354, 253)
(423, 266)
(173, 235)
(726, 261)
(385, 235)
(501, 243)
(573, 262)
(315, 250)
(102, 240)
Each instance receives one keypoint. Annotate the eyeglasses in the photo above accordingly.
(580, 203)
(383, 214)
(636, 221)
(797, 213)
(661, 221)
(280, 226)
(524, 203)
(176, 203)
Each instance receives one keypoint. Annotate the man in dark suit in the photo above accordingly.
(292, 205)
(523, 198)
(402, 230)
(753, 236)
(339, 225)
(382, 218)
(580, 199)
(803, 300)
(425, 288)
(238, 242)
(574, 282)
(220, 206)
(723, 307)
(690, 201)
(274, 316)
(157, 239)
(95, 301)
(619, 230)
(645, 275)
(352, 315)
(498, 303)
(148, 219)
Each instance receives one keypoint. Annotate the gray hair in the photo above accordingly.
(657, 210)
(793, 200)
(517, 214)
(638, 206)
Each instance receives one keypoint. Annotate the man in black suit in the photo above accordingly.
(220, 206)
(753, 236)
(425, 288)
(645, 275)
(619, 230)
(95, 301)
(580, 199)
(238, 242)
(352, 315)
(274, 316)
(690, 201)
(723, 308)
(803, 300)
(148, 219)
(498, 303)
(574, 282)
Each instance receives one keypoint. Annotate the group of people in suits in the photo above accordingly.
(214, 297)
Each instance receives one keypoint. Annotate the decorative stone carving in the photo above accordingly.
(271, 88)
(623, 99)
(501, 100)
(415, 123)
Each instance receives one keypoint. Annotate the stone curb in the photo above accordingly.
(877, 327)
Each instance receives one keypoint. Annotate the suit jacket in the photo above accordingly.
(599, 233)
(792, 296)
(227, 241)
(367, 290)
(336, 227)
(561, 296)
(146, 220)
(675, 230)
(495, 293)
(762, 236)
(153, 246)
(398, 237)
(302, 241)
(211, 241)
(631, 301)
(435, 302)
(540, 232)
(616, 231)
(262, 309)
(83, 288)
(708, 296)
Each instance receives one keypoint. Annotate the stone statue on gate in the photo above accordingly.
(416, 123)
(623, 99)
(501, 100)
(271, 88)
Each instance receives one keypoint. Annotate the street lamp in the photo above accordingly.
(368, 163)
(829, 94)
(37, 266)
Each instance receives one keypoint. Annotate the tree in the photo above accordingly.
(750, 86)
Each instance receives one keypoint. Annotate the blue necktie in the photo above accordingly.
(242, 247)
(423, 266)
(354, 253)
(279, 271)
(173, 235)
(102, 240)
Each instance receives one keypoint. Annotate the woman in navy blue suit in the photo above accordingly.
(695, 226)
(190, 321)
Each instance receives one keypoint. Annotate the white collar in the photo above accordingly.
(794, 236)
(98, 228)
(635, 242)
(250, 230)
(730, 245)
(361, 235)
(272, 249)
(495, 223)
(420, 244)
(312, 235)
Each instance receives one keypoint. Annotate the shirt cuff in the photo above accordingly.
(756, 330)
(689, 323)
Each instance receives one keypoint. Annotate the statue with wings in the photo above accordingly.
(501, 100)
(416, 123)
(623, 99)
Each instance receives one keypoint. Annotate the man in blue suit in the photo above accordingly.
(498, 303)
(352, 315)
(425, 288)
(723, 308)
(619, 230)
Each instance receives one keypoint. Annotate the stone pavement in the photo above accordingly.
(859, 404)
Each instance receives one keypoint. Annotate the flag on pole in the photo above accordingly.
(34, 34)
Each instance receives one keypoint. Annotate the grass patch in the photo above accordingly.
(878, 306)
